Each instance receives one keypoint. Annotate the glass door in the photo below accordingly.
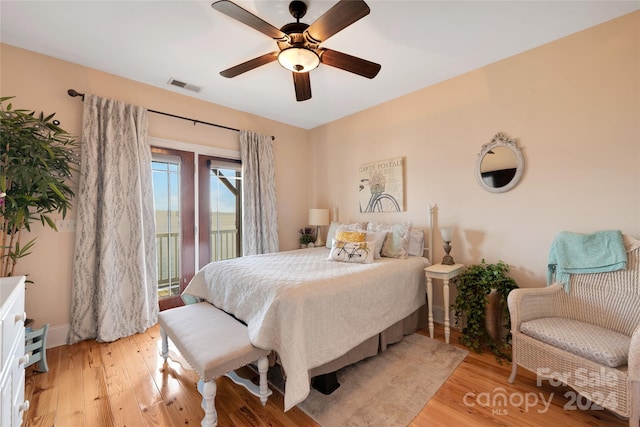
(220, 209)
(173, 180)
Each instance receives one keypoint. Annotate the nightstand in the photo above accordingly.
(445, 273)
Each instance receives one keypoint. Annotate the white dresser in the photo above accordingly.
(12, 317)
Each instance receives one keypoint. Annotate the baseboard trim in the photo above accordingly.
(438, 316)
(57, 336)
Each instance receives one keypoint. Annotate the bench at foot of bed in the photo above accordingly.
(214, 344)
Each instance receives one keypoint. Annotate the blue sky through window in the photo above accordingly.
(222, 199)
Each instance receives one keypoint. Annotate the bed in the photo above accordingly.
(316, 314)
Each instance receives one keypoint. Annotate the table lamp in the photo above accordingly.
(447, 235)
(318, 217)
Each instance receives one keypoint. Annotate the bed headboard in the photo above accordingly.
(428, 250)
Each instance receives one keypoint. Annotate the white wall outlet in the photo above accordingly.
(66, 225)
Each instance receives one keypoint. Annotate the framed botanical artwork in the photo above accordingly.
(382, 186)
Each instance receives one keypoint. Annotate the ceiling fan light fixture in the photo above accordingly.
(298, 59)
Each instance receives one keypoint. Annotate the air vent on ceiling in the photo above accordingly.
(184, 85)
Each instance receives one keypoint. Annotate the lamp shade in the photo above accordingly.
(318, 216)
(446, 233)
(298, 59)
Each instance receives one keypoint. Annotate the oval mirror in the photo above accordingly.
(499, 165)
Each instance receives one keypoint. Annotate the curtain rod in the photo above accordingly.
(74, 93)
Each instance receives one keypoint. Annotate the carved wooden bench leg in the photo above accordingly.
(208, 392)
(263, 367)
(262, 389)
(165, 344)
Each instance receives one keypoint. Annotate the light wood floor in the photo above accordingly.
(124, 384)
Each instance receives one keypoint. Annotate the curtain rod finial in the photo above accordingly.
(73, 93)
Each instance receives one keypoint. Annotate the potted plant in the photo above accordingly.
(306, 237)
(37, 159)
(481, 307)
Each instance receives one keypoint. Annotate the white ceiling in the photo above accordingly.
(418, 43)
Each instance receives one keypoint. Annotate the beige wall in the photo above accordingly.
(40, 83)
(573, 105)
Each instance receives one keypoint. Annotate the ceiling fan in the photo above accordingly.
(299, 43)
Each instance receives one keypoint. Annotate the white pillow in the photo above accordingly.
(358, 252)
(396, 245)
(378, 226)
(331, 233)
(377, 237)
(416, 242)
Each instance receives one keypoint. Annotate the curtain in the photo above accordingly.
(260, 219)
(114, 290)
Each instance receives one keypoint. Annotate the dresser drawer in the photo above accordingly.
(12, 401)
(19, 361)
(12, 325)
(19, 404)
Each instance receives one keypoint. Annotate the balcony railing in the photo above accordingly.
(224, 246)
(168, 250)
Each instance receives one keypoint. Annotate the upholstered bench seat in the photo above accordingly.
(213, 343)
(592, 342)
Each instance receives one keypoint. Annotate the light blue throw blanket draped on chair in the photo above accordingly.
(574, 253)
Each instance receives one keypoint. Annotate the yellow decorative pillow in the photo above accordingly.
(351, 236)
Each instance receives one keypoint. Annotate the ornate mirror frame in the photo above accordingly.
(500, 140)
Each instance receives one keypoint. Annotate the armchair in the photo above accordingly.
(588, 338)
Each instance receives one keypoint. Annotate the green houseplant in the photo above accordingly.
(306, 236)
(37, 159)
(481, 306)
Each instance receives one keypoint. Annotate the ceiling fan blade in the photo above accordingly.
(340, 16)
(349, 63)
(302, 84)
(249, 65)
(239, 14)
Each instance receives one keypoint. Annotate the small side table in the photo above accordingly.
(446, 273)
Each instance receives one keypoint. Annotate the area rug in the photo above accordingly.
(389, 389)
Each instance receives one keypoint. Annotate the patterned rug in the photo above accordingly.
(389, 389)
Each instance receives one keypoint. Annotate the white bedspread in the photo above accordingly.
(308, 309)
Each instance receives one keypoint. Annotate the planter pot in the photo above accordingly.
(493, 316)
